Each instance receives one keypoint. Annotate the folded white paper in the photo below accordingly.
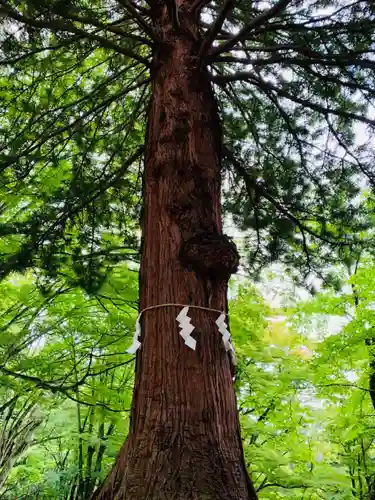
(227, 341)
(136, 344)
(186, 328)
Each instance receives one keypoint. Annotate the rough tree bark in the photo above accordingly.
(184, 440)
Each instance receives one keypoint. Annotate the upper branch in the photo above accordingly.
(198, 5)
(215, 28)
(139, 19)
(112, 28)
(266, 87)
(252, 184)
(57, 25)
(259, 20)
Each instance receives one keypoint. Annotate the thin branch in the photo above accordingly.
(56, 25)
(38, 381)
(111, 27)
(350, 153)
(327, 29)
(285, 486)
(93, 22)
(88, 96)
(65, 128)
(215, 28)
(65, 390)
(198, 5)
(352, 386)
(38, 51)
(308, 104)
(142, 10)
(223, 34)
(101, 405)
(259, 20)
(103, 187)
(139, 19)
(314, 58)
(112, 367)
(266, 86)
(250, 184)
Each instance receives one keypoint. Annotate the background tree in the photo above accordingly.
(291, 78)
(340, 374)
(68, 354)
(17, 426)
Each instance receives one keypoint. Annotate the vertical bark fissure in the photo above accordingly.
(184, 441)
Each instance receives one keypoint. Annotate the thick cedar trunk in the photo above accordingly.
(184, 441)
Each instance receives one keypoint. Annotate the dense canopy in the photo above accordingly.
(295, 85)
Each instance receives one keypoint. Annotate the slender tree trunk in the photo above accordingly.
(184, 440)
(370, 344)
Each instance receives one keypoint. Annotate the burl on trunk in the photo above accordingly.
(184, 441)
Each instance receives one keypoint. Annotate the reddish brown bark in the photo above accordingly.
(184, 441)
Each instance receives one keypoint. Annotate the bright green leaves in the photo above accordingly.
(73, 118)
(282, 418)
(67, 350)
(303, 401)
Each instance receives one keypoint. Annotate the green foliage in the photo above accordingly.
(307, 427)
(19, 419)
(69, 347)
(293, 88)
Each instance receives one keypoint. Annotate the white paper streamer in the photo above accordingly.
(233, 357)
(136, 344)
(223, 329)
(186, 328)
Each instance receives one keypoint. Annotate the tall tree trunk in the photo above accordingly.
(184, 440)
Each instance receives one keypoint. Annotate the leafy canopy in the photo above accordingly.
(294, 81)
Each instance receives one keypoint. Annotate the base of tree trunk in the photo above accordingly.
(176, 470)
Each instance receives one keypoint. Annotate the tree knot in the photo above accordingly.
(210, 255)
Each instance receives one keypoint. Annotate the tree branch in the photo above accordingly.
(139, 19)
(285, 486)
(266, 86)
(65, 128)
(341, 143)
(251, 184)
(39, 382)
(107, 27)
(142, 10)
(215, 28)
(313, 58)
(49, 386)
(56, 25)
(259, 20)
(198, 5)
(101, 405)
(5, 62)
